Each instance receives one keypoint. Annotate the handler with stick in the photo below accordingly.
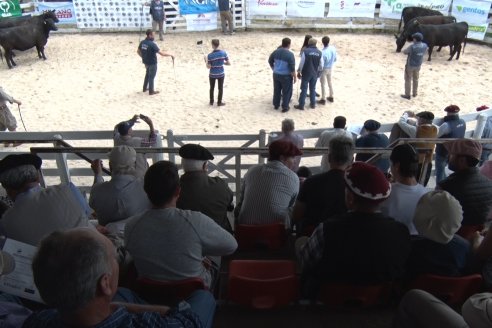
(7, 120)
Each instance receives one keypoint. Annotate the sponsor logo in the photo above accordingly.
(465, 10)
(306, 3)
(480, 29)
(64, 13)
(266, 3)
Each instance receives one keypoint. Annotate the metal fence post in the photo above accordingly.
(61, 162)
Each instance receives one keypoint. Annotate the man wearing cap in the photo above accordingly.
(172, 244)
(270, 190)
(422, 128)
(415, 53)
(452, 127)
(361, 246)
(199, 192)
(339, 129)
(123, 135)
(372, 138)
(323, 195)
(437, 249)
(309, 69)
(123, 196)
(7, 120)
(38, 211)
(466, 184)
(405, 190)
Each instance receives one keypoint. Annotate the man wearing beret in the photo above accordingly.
(452, 127)
(199, 192)
(466, 184)
(38, 211)
(270, 190)
(372, 138)
(361, 246)
(122, 135)
(424, 128)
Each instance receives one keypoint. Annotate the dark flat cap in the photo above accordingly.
(452, 109)
(194, 151)
(426, 115)
(11, 161)
(372, 125)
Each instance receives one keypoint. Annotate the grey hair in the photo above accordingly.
(190, 165)
(341, 150)
(67, 268)
(17, 177)
(288, 125)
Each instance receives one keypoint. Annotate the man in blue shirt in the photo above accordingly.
(226, 16)
(148, 50)
(309, 69)
(158, 16)
(329, 58)
(415, 57)
(215, 62)
(283, 64)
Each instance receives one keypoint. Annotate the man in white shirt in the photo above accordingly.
(325, 137)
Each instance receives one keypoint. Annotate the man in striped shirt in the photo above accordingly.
(270, 190)
(215, 62)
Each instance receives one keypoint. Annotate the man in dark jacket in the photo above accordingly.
(158, 16)
(226, 16)
(310, 67)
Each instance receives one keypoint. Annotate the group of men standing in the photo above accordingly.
(314, 64)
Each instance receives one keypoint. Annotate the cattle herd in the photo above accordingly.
(438, 30)
(25, 32)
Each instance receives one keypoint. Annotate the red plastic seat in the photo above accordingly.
(167, 292)
(263, 284)
(467, 231)
(451, 290)
(340, 294)
(265, 236)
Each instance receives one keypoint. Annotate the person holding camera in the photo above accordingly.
(123, 135)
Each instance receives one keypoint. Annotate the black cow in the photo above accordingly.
(25, 37)
(452, 35)
(24, 20)
(409, 13)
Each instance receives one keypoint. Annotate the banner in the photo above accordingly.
(393, 8)
(10, 8)
(187, 7)
(475, 13)
(64, 11)
(306, 8)
(267, 7)
(352, 8)
(111, 14)
(201, 22)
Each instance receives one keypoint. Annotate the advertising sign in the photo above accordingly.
(10, 8)
(64, 11)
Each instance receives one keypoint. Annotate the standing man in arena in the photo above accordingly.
(226, 16)
(329, 58)
(283, 64)
(148, 50)
(309, 69)
(7, 120)
(215, 62)
(415, 57)
(158, 16)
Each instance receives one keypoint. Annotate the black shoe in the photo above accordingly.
(298, 107)
(322, 101)
(330, 99)
(211, 103)
(151, 93)
(144, 90)
(405, 96)
(312, 106)
(317, 95)
(414, 96)
(221, 104)
(285, 110)
(276, 107)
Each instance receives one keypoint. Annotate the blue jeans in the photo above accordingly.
(150, 72)
(441, 162)
(311, 82)
(282, 88)
(202, 302)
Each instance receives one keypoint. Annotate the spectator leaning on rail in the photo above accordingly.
(124, 195)
(270, 190)
(466, 184)
(168, 243)
(288, 134)
(452, 127)
(123, 135)
(339, 128)
(38, 211)
(76, 273)
(361, 246)
(199, 192)
(372, 138)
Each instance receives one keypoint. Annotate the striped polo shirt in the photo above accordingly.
(216, 59)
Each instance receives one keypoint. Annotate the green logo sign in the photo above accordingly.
(10, 8)
(460, 8)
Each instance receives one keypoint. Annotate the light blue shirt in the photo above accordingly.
(329, 57)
